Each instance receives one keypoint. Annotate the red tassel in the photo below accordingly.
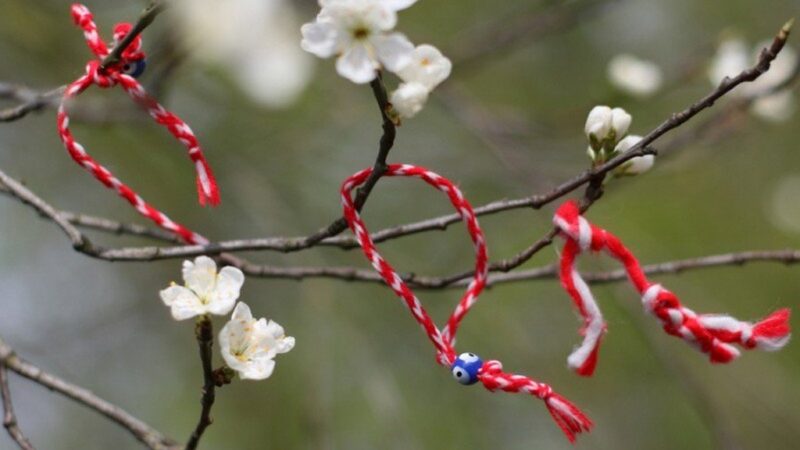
(569, 418)
(772, 332)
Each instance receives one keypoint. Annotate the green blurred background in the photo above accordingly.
(363, 375)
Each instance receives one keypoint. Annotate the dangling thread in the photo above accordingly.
(713, 334)
(466, 368)
(132, 62)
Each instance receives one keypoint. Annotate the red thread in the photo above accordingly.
(568, 417)
(208, 192)
(710, 333)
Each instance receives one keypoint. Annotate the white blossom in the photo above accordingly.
(205, 290)
(428, 67)
(634, 76)
(733, 57)
(253, 41)
(409, 99)
(606, 124)
(358, 33)
(634, 166)
(249, 346)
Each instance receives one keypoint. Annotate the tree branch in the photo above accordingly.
(9, 418)
(205, 340)
(146, 434)
(31, 100)
(354, 274)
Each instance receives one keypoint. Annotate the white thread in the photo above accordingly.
(584, 234)
(650, 296)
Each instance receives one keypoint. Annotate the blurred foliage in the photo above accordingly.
(362, 375)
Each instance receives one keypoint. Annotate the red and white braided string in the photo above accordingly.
(568, 417)
(208, 192)
(710, 333)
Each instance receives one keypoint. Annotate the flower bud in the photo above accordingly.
(428, 67)
(620, 121)
(598, 123)
(640, 164)
(634, 166)
(604, 126)
(409, 99)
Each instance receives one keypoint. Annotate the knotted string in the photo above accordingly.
(131, 57)
(713, 334)
(568, 417)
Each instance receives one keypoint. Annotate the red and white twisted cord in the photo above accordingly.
(568, 417)
(714, 334)
(208, 192)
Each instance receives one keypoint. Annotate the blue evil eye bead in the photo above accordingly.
(134, 68)
(465, 368)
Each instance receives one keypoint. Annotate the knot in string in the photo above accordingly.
(103, 78)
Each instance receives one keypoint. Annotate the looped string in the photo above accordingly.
(713, 334)
(568, 417)
(208, 192)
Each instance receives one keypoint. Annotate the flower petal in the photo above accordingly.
(183, 302)
(285, 345)
(428, 66)
(409, 98)
(393, 50)
(320, 38)
(257, 369)
(227, 289)
(200, 275)
(280, 342)
(398, 5)
(356, 65)
(379, 16)
(234, 336)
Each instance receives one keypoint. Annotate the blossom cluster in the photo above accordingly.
(606, 129)
(248, 346)
(360, 33)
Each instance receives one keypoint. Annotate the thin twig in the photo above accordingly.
(378, 169)
(31, 100)
(146, 18)
(23, 194)
(9, 418)
(106, 225)
(146, 434)
(205, 340)
(343, 273)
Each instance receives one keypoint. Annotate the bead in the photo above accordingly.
(134, 68)
(466, 367)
